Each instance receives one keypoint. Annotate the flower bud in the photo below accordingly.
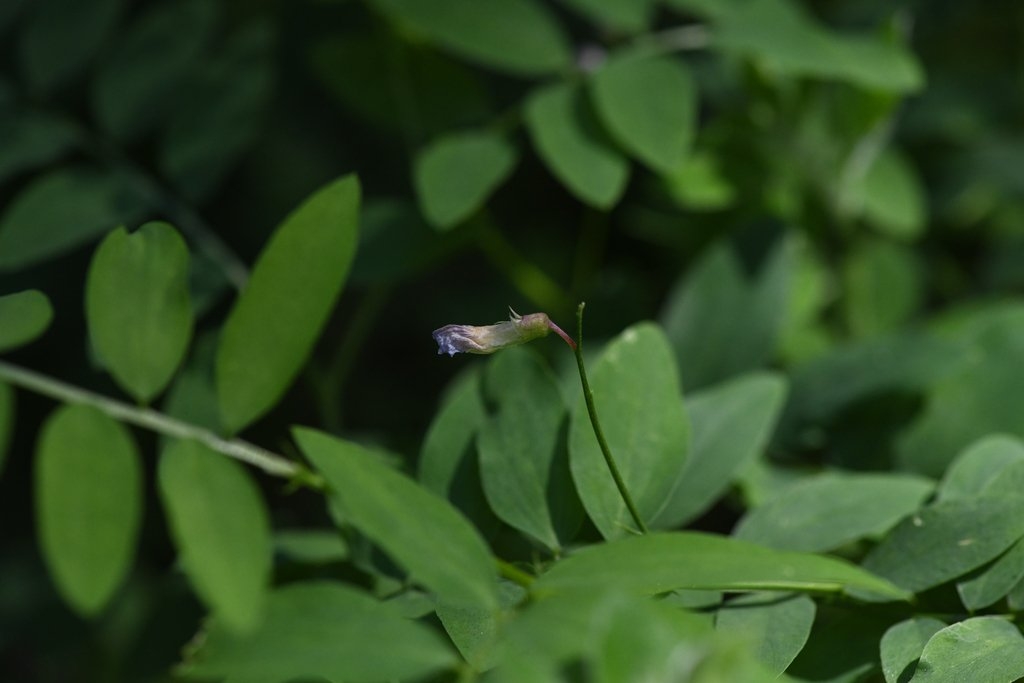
(518, 329)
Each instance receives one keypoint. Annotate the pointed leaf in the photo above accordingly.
(570, 140)
(23, 317)
(299, 274)
(520, 37)
(406, 520)
(981, 650)
(775, 628)
(825, 511)
(523, 463)
(644, 421)
(947, 540)
(649, 105)
(731, 425)
(88, 504)
(456, 174)
(137, 306)
(219, 524)
(323, 630)
(659, 562)
(902, 644)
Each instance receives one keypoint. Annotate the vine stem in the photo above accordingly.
(588, 396)
(514, 573)
(269, 462)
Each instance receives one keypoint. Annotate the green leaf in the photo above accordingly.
(570, 140)
(947, 540)
(311, 546)
(321, 630)
(24, 316)
(843, 646)
(137, 306)
(136, 82)
(631, 16)
(474, 630)
(278, 317)
(32, 139)
(979, 465)
(883, 283)
(891, 197)
(7, 415)
(826, 511)
(981, 650)
(523, 462)
(699, 184)
(61, 37)
(649, 105)
(644, 421)
(710, 346)
(663, 561)
(774, 628)
(995, 581)
(520, 37)
(731, 425)
(88, 484)
(63, 210)
(406, 520)
(221, 530)
(902, 644)
(456, 174)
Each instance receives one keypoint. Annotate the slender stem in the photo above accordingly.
(588, 396)
(514, 573)
(269, 462)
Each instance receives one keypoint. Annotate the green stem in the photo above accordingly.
(269, 462)
(588, 396)
(514, 573)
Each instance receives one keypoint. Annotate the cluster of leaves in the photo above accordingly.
(824, 459)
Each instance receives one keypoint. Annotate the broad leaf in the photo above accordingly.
(979, 466)
(901, 647)
(456, 174)
(88, 484)
(321, 630)
(569, 139)
(275, 322)
(947, 540)
(826, 511)
(24, 316)
(659, 562)
(220, 526)
(649, 105)
(523, 462)
(62, 210)
(474, 630)
(731, 425)
(995, 581)
(774, 627)
(641, 411)
(884, 286)
(406, 520)
(137, 306)
(982, 649)
(520, 37)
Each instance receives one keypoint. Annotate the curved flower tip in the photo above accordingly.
(518, 329)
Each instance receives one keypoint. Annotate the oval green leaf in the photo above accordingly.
(520, 37)
(406, 520)
(456, 174)
(663, 561)
(825, 511)
(641, 410)
(137, 306)
(731, 425)
(523, 462)
(901, 647)
(221, 530)
(321, 630)
(63, 210)
(570, 140)
(649, 105)
(979, 465)
(88, 485)
(995, 581)
(982, 649)
(774, 628)
(23, 317)
(291, 293)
